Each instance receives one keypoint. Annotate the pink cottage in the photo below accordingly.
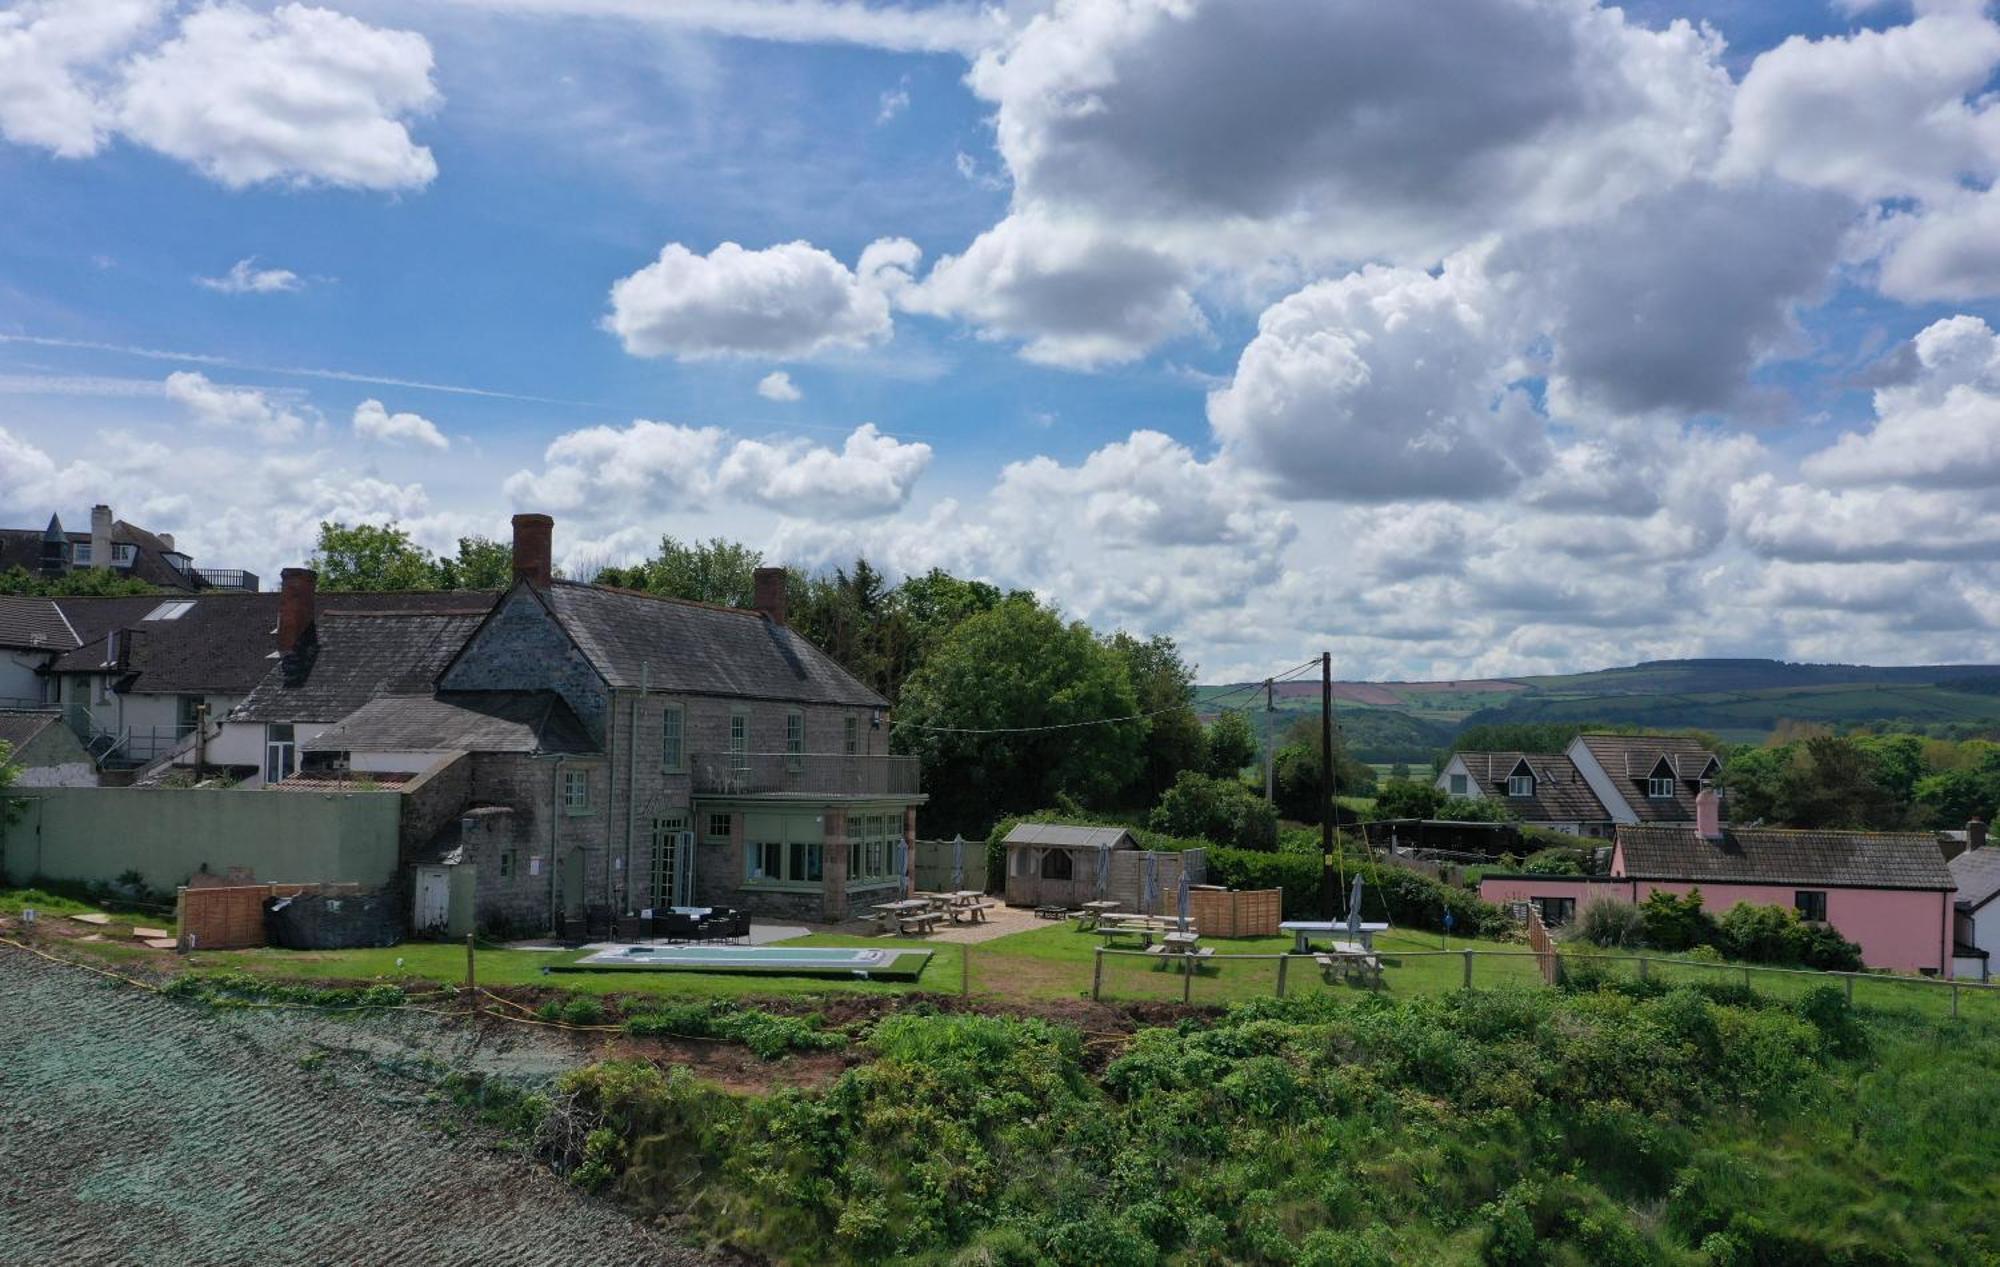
(1888, 892)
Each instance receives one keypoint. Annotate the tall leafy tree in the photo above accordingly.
(81, 583)
(1019, 668)
(1228, 746)
(1164, 685)
(481, 564)
(712, 571)
(371, 557)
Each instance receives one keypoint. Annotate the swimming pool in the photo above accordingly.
(818, 961)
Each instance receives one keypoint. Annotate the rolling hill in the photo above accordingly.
(1738, 700)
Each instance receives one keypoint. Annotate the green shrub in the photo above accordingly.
(1608, 922)
(1670, 922)
(1557, 860)
(1217, 809)
(767, 1034)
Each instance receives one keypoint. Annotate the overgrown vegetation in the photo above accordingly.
(1629, 1125)
(768, 1034)
(1745, 933)
(242, 989)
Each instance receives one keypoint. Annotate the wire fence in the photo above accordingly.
(1135, 976)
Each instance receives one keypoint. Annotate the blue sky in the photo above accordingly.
(1487, 336)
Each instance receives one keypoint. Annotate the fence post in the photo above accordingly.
(1097, 975)
(965, 970)
(1468, 970)
(1954, 1000)
(1850, 989)
(1187, 981)
(1746, 980)
(1642, 967)
(1284, 961)
(471, 980)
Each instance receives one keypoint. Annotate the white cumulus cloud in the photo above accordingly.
(871, 474)
(234, 408)
(373, 422)
(783, 302)
(245, 278)
(778, 386)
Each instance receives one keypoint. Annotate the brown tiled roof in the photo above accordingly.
(1630, 760)
(1561, 795)
(1764, 855)
(697, 649)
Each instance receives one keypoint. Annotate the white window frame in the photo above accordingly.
(728, 826)
(1458, 784)
(850, 734)
(281, 755)
(576, 793)
(795, 739)
(673, 740)
(1520, 785)
(1659, 789)
(79, 554)
(739, 741)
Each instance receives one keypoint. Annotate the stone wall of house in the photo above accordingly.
(522, 648)
(529, 787)
(431, 801)
(510, 896)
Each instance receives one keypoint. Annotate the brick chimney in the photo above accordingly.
(770, 594)
(295, 608)
(1975, 834)
(534, 546)
(100, 536)
(1708, 812)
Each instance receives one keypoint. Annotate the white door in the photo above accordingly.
(433, 898)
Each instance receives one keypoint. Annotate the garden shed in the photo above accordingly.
(1050, 864)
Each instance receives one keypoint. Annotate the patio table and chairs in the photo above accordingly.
(1182, 949)
(911, 914)
(1090, 913)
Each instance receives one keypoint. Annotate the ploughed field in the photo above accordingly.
(134, 1129)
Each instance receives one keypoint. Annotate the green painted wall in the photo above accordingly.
(167, 834)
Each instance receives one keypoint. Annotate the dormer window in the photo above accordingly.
(1521, 785)
(122, 554)
(1660, 788)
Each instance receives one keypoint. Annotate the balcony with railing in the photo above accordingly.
(228, 578)
(803, 774)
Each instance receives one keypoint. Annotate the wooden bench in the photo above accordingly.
(972, 911)
(923, 923)
(1188, 959)
(1051, 912)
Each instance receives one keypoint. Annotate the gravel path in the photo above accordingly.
(134, 1129)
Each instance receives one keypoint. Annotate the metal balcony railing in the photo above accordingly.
(228, 578)
(803, 773)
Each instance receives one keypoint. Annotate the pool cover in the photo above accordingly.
(866, 963)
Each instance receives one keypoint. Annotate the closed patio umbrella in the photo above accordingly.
(1149, 899)
(902, 869)
(957, 863)
(1186, 884)
(1354, 910)
(1103, 874)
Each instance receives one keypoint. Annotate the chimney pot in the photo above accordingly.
(534, 558)
(770, 594)
(295, 607)
(166, 539)
(1708, 813)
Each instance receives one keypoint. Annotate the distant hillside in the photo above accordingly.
(1738, 700)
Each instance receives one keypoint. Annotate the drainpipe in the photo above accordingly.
(610, 796)
(632, 783)
(555, 831)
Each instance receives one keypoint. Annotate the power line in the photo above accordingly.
(1099, 721)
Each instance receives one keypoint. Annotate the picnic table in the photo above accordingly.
(1351, 960)
(913, 913)
(1092, 912)
(1302, 931)
(1183, 950)
(966, 904)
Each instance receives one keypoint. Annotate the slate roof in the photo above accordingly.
(1072, 837)
(19, 726)
(1762, 855)
(224, 644)
(1561, 795)
(459, 721)
(33, 624)
(1630, 760)
(1977, 872)
(360, 656)
(22, 548)
(697, 649)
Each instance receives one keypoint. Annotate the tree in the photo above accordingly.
(79, 583)
(1163, 684)
(1228, 746)
(712, 571)
(1405, 798)
(482, 564)
(1219, 810)
(371, 557)
(1950, 799)
(1018, 670)
(1831, 782)
(9, 772)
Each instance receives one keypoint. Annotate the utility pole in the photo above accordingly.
(1270, 749)
(1327, 885)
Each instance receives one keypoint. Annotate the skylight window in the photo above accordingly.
(171, 610)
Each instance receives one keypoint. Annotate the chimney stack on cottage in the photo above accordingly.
(770, 594)
(1708, 812)
(100, 536)
(295, 608)
(1975, 834)
(534, 549)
